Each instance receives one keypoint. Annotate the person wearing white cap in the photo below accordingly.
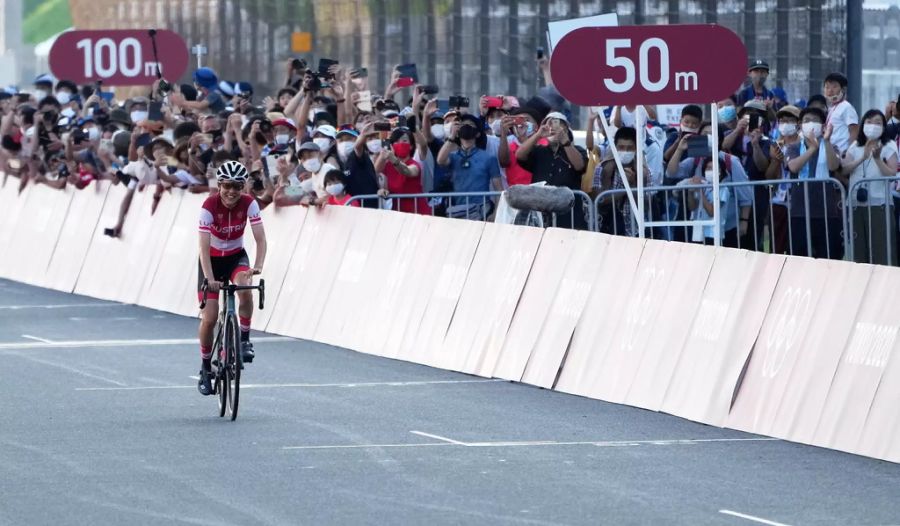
(43, 85)
(551, 156)
(324, 137)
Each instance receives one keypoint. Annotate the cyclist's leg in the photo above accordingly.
(206, 332)
(241, 275)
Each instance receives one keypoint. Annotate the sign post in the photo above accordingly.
(118, 57)
(635, 65)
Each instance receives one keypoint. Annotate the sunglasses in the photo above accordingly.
(231, 186)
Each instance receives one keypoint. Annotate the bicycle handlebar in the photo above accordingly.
(232, 288)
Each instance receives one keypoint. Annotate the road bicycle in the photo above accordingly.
(227, 361)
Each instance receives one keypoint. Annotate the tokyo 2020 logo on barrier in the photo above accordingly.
(791, 316)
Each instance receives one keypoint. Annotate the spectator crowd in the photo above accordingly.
(328, 138)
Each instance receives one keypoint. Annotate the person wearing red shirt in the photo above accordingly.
(223, 220)
(404, 175)
(515, 130)
(336, 187)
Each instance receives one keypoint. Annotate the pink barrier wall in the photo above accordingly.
(796, 348)
(603, 312)
(489, 298)
(722, 334)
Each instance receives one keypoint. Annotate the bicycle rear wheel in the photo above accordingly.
(233, 366)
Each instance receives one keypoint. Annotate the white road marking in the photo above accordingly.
(281, 386)
(752, 518)
(35, 338)
(438, 437)
(125, 318)
(450, 442)
(121, 343)
(61, 306)
(60, 365)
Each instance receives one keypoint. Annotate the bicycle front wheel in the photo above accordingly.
(233, 365)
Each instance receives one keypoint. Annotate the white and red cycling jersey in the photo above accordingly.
(226, 225)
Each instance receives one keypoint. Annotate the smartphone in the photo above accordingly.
(365, 101)
(154, 112)
(258, 185)
(429, 89)
(754, 122)
(698, 146)
(107, 96)
(519, 120)
(359, 73)
(382, 127)
(458, 101)
(270, 166)
(443, 105)
(324, 65)
(405, 82)
(494, 102)
(298, 64)
(540, 53)
(142, 140)
(408, 71)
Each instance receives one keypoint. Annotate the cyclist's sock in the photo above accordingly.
(205, 353)
(244, 324)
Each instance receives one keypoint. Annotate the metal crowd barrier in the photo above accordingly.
(873, 207)
(803, 217)
(476, 206)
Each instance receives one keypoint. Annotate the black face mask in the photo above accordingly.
(468, 133)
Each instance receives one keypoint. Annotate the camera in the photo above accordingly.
(78, 135)
(258, 185)
(429, 89)
(382, 127)
(314, 83)
(164, 86)
(298, 64)
(458, 101)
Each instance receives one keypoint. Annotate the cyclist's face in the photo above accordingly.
(230, 193)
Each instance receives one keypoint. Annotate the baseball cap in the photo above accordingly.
(243, 89)
(206, 78)
(793, 111)
(326, 130)
(289, 123)
(44, 79)
(226, 88)
(557, 115)
(308, 147)
(347, 130)
(758, 64)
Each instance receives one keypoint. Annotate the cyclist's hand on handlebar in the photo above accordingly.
(255, 271)
(214, 286)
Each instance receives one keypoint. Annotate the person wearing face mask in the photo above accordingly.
(691, 117)
(470, 167)
(310, 157)
(346, 141)
(872, 156)
(806, 153)
(727, 114)
(336, 188)
(362, 179)
(137, 109)
(324, 137)
(43, 85)
(284, 132)
(516, 129)
(758, 73)
(435, 134)
(403, 173)
(551, 156)
(701, 203)
(842, 117)
(615, 212)
(65, 91)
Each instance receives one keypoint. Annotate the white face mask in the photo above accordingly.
(709, 176)
(448, 129)
(67, 112)
(312, 165)
(307, 186)
(626, 157)
(690, 130)
(344, 148)
(40, 94)
(282, 138)
(335, 189)
(323, 143)
(787, 129)
(64, 97)
(138, 116)
(873, 131)
(814, 128)
(496, 127)
(93, 133)
(373, 145)
(437, 130)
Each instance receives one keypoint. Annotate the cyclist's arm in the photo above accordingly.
(205, 261)
(259, 233)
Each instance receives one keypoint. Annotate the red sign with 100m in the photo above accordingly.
(630, 65)
(118, 57)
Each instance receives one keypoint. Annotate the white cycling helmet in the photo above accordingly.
(232, 171)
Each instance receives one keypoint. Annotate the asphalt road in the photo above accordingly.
(101, 423)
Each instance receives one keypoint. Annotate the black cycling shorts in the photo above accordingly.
(223, 267)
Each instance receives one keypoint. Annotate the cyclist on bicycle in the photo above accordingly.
(223, 218)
